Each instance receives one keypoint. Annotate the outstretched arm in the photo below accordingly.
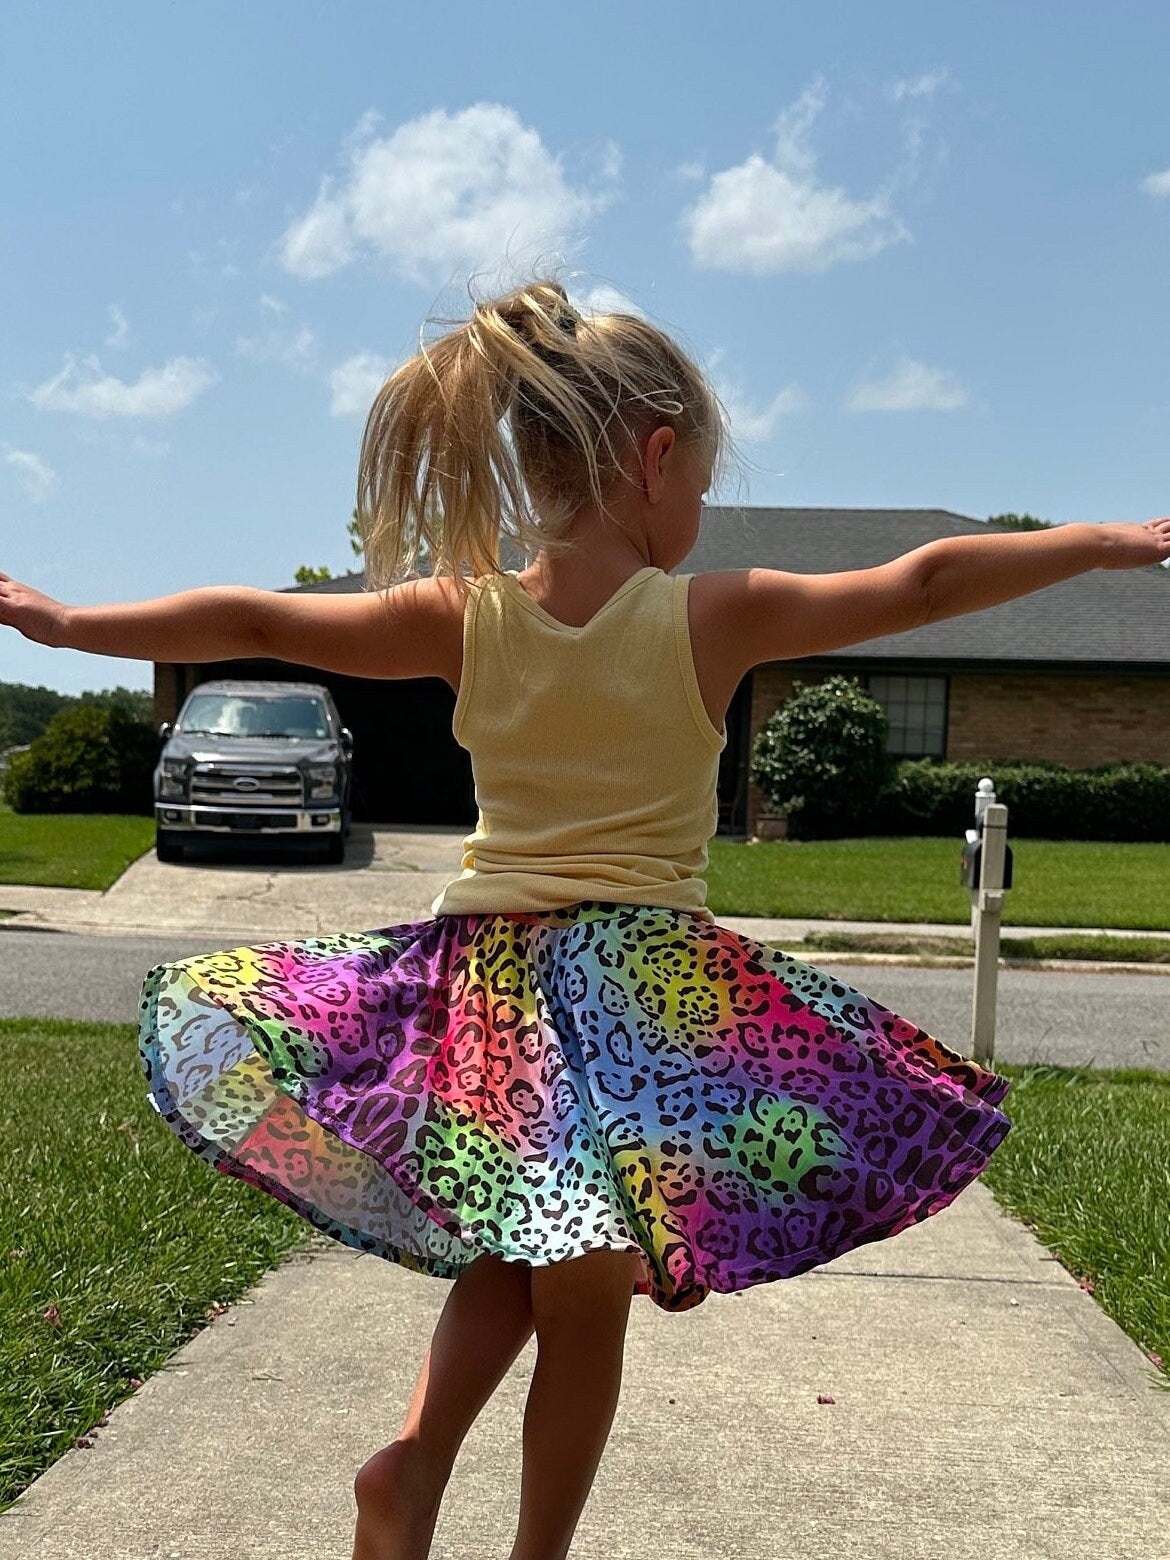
(209, 623)
(969, 573)
(409, 633)
(770, 615)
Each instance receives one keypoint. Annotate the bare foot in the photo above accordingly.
(398, 1495)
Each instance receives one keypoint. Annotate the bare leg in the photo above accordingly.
(485, 1322)
(580, 1309)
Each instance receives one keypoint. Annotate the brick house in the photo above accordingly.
(1078, 672)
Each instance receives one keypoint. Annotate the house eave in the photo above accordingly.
(970, 665)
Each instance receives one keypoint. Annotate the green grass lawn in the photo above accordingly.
(70, 850)
(1087, 1167)
(117, 1241)
(1055, 882)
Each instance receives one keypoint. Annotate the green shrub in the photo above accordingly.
(92, 757)
(821, 757)
(1045, 800)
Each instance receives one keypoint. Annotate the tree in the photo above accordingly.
(1014, 522)
(309, 574)
(355, 535)
(95, 756)
(821, 758)
(26, 711)
(136, 703)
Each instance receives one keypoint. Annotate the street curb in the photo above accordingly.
(944, 961)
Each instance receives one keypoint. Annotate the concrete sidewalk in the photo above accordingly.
(984, 1408)
(390, 875)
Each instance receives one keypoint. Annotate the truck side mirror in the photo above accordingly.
(164, 731)
(347, 739)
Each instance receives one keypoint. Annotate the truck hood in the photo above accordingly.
(278, 752)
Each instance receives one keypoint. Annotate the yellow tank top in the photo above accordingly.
(594, 760)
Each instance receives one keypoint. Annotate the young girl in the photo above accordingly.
(568, 1085)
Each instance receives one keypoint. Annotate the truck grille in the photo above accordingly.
(213, 785)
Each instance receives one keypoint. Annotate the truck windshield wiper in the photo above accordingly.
(208, 731)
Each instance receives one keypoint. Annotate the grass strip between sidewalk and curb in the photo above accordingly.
(1070, 945)
(117, 1243)
(1086, 1167)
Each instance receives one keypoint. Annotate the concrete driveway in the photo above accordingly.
(389, 875)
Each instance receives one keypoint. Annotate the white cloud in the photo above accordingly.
(216, 260)
(36, 476)
(754, 424)
(121, 331)
(1157, 183)
(692, 172)
(925, 85)
(157, 392)
(279, 339)
(610, 162)
(604, 299)
(763, 215)
(441, 193)
(294, 348)
(909, 387)
(354, 384)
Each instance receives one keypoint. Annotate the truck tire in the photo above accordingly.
(334, 850)
(167, 847)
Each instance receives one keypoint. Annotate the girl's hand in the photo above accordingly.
(32, 614)
(1129, 546)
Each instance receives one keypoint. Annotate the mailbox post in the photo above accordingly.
(986, 870)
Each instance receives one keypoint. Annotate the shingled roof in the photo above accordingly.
(1114, 619)
(1108, 620)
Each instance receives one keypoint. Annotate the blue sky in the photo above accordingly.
(920, 249)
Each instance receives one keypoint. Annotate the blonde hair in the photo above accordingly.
(509, 423)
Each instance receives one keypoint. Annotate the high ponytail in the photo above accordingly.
(509, 423)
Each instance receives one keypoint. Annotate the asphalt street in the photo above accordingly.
(1072, 1018)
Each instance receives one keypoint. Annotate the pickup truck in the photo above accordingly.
(258, 760)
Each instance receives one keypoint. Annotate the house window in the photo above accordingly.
(916, 708)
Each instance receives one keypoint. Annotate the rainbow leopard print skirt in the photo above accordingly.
(540, 1085)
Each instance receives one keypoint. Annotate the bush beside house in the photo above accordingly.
(1045, 801)
(820, 760)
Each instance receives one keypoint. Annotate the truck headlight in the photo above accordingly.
(173, 778)
(322, 780)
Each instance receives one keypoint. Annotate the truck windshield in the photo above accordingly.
(251, 715)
